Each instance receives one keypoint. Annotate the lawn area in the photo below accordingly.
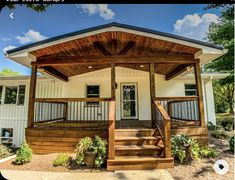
(222, 116)
(6, 151)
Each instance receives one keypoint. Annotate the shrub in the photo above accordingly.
(219, 134)
(4, 151)
(226, 122)
(231, 144)
(184, 148)
(23, 154)
(212, 127)
(207, 152)
(97, 146)
(61, 160)
(100, 150)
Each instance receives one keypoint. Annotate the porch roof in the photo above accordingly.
(127, 46)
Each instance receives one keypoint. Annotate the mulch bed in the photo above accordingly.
(203, 169)
(45, 163)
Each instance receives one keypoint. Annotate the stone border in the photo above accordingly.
(7, 158)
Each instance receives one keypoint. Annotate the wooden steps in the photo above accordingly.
(138, 149)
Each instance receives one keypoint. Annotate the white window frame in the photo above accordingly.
(13, 130)
(189, 90)
(17, 96)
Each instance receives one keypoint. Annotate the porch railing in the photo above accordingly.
(163, 123)
(182, 110)
(66, 111)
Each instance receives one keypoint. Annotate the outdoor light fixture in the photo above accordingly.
(89, 67)
(142, 66)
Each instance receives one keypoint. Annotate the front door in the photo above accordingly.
(129, 105)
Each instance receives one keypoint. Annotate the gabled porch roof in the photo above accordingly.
(127, 46)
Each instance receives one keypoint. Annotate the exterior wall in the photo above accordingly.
(16, 116)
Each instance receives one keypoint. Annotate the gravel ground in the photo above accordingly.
(203, 169)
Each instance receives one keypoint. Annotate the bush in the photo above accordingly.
(24, 154)
(231, 144)
(184, 148)
(97, 146)
(212, 127)
(207, 152)
(61, 160)
(219, 134)
(226, 123)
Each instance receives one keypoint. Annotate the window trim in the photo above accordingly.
(190, 90)
(2, 102)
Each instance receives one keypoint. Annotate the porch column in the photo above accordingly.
(198, 80)
(32, 91)
(152, 91)
(113, 82)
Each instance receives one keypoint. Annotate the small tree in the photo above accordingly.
(24, 154)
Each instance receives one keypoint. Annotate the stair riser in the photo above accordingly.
(133, 133)
(135, 142)
(138, 152)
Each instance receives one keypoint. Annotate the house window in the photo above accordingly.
(21, 95)
(10, 95)
(190, 90)
(14, 95)
(93, 91)
(7, 136)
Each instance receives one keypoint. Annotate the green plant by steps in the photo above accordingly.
(24, 154)
(219, 134)
(231, 143)
(84, 145)
(207, 152)
(61, 160)
(184, 148)
(96, 146)
(100, 149)
(212, 127)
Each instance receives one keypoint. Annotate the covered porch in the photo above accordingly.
(57, 124)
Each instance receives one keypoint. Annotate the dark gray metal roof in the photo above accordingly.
(111, 25)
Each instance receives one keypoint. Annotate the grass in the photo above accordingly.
(222, 116)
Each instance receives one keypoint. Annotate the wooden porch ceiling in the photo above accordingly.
(124, 49)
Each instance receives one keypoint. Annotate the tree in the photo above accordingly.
(8, 72)
(222, 33)
(35, 7)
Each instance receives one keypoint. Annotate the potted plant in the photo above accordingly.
(91, 152)
(85, 152)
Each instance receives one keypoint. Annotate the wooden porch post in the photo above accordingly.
(112, 117)
(198, 80)
(32, 91)
(152, 91)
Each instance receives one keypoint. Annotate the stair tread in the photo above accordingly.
(136, 147)
(140, 129)
(138, 158)
(137, 137)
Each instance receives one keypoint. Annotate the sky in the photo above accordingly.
(28, 26)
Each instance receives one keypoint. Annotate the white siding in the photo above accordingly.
(16, 116)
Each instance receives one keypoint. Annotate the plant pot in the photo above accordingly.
(89, 159)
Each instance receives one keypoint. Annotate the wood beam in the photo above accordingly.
(129, 45)
(197, 71)
(101, 48)
(117, 59)
(32, 91)
(53, 72)
(152, 91)
(113, 82)
(177, 71)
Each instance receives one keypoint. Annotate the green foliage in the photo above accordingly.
(100, 150)
(226, 123)
(97, 146)
(222, 33)
(219, 134)
(207, 152)
(231, 144)
(24, 154)
(179, 144)
(6, 151)
(35, 7)
(83, 146)
(212, 127)
(8, 72)
(61, 160)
